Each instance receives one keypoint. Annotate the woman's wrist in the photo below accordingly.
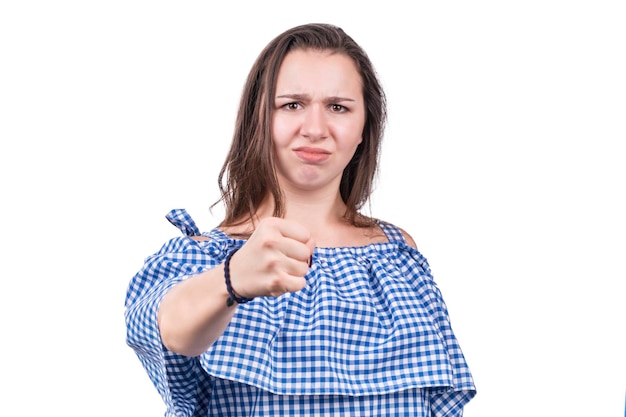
(233, 297)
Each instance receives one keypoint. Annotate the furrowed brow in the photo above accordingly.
(304, 97)
(294, 96)
(338, 99)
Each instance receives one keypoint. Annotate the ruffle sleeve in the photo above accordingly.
(176, 377)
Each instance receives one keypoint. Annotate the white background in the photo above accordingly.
(504, 158)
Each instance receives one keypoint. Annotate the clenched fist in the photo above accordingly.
(273, 261)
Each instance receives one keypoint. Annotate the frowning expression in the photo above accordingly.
(318, 118)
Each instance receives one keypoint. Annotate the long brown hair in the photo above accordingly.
(248, 173)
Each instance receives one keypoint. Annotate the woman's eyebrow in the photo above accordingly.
(294, 96)
(334, 99)
(337, 99)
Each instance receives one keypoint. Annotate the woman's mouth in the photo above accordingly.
(311, 154)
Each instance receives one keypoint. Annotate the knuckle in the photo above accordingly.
(272, 264)
(270, 244)
(278, 285)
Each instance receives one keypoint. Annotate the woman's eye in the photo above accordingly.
(292, 106)
(337, 108)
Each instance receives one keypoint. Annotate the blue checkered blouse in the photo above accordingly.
(369, 335)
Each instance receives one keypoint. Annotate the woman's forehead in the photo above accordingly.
(314, 73)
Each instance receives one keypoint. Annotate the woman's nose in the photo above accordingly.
(315, 124)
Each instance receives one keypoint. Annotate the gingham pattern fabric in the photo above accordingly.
(369, 335)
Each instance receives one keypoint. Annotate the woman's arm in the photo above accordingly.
(193, 314)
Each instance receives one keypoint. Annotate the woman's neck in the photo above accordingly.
(313, 211)
(324, 217)
(323, 214)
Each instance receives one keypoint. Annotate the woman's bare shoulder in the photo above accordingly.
(200, 238)
(409, 239)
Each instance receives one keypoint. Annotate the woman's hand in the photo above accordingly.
(273, 261)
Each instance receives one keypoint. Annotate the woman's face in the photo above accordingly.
(318, 118)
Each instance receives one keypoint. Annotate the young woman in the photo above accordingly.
(297, 303)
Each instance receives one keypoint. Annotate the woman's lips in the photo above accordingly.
(312, 155)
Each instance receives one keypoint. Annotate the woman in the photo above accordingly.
(298, 304)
